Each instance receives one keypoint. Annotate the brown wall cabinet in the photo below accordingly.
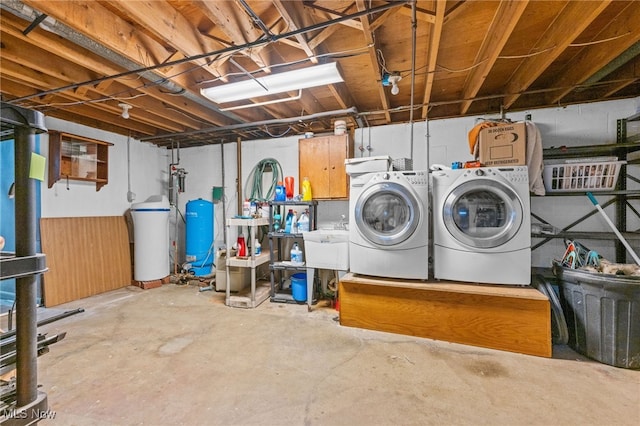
(78, 158)
(321, 159)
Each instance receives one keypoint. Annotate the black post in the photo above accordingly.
(26, 287)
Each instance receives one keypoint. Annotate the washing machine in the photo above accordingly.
(389, 224)
(482, 225)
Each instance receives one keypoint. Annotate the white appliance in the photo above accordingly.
(482, 225)
(389, 224)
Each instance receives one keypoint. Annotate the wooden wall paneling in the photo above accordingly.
(85, 256)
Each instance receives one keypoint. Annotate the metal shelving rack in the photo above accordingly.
(620, 196)
(278, 266)
(25, 265)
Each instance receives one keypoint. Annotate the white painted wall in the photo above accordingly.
(446, 141)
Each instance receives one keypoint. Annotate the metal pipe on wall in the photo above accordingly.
(224, 199)
(239, 179)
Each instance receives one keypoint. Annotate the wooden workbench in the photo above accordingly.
(510, 318)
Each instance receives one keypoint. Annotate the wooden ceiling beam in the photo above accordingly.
(291, 14)
(119, 36)
(374, 25)
(574, 19)
(55, 47)
(168, 25)
(422, 15)
(47, 106)
(432, 55)
(26, 75)
(625, 30)
(504, 21)
(322, 36)
(237, 26)
(328, 14)
(624, 76)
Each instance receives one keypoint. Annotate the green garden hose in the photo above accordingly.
(255, 177)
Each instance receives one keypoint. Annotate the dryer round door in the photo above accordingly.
(387, 213)
(482, 213)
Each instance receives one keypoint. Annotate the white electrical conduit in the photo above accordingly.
(340, 112)
(413, 69)
(130, 195)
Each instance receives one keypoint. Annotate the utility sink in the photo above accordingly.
(327, 249)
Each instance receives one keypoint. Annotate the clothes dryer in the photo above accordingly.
(389, 224)
(482, 225)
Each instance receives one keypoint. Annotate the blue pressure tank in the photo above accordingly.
(199, 240)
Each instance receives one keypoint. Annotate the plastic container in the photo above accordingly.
(242, 246)
(339, 127)
(573, 176)
(288, 222)
(603, 315)
(296, 255)
(280, 193)
(257, 248)
(299, 287)
(306, 190)
(239, 277)
(151, 238)
(199, 238)
(303, 222)
(289, 182)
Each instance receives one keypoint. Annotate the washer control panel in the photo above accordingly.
(415, 178)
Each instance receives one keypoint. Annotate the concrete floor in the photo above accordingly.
(177, 356)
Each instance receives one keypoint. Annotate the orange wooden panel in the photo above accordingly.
(338, 152)
(85, 256)
(508, 318)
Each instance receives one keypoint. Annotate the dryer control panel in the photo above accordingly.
(518, 174)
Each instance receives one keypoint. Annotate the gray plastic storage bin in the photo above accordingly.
(603, 315)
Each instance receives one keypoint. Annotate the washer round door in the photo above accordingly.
(387, 214)
(482, 213)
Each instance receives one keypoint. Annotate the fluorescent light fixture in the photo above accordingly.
(318, 75)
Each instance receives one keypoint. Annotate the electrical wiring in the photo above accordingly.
(256, 175)
(266, 130)
(589, 43)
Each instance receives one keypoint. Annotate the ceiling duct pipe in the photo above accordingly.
(342, 112)
(54, 26)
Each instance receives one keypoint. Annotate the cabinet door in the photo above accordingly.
(321, 159)
(338, 152)
(313, 162)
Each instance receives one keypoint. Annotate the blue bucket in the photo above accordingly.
(299, 286)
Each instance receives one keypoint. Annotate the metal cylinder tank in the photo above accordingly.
(199, 239)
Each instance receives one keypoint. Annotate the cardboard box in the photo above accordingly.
(503, 145)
